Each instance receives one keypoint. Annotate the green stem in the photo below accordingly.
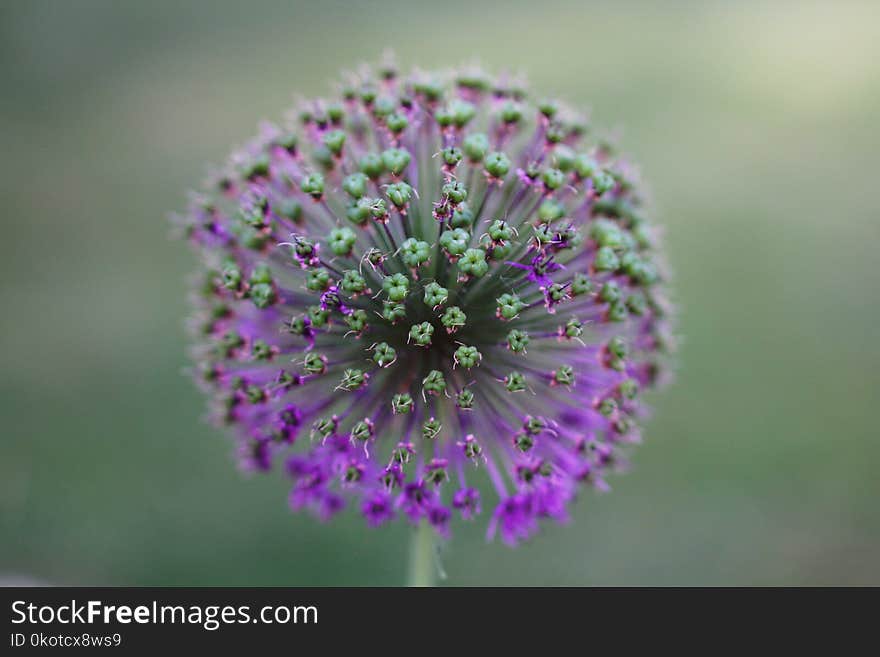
(421, 556)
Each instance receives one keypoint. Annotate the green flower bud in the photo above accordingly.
(397, 123)
(606, 259)
(574, 328)
(610, 292)
(318, 280)
(353, 379)
(396, 287)
(629, 388)
(357, 320)
(355, 185)
(435, 294)
(318, 316)
(421, 333)
(553, 178)
(372, 165)
(550, 210)
(313, 185)
(602, 182)
(564, 376)
(399, 194)
(396, 160)
(473, 263)
(501, 231)
(497, 164)
(352, 282)
(465, 399)
(384, 354)
(455, 191)
(262, 294)
(315, 363)
(362, 431)
(455, 241)
(608, 406)
(475, 146)
(453, 318)
(451, 156)
(260, 350)
(509, 306)
(393, 312)
(415, 253)
(511, 112)
(517, 341)
(430, 429)
(434, 383)
(617, 311)
(401, 403)
(563, 158)
(466, 356)
(462, 216)
(580, 284)
(342, 240)
(334, 141)
(515, 382)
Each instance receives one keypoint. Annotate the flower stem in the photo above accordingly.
(421, 556)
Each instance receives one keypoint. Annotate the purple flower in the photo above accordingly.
(428, 277)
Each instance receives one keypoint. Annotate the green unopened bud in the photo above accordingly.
(372, 166)
(352, 282)
(517, 341)
(610, 292)
(511, 112)
(466, 356)
(551, 210)
(473, 262)
(515, 382)
(334, 141)
(396, 160)
(362, 431)
(430, 429)
(355, 185)
(523, 442)
(574, 328)
(399, 194)
(607, 406)
(393, 312)
(509, 306)
(475, 146)
(318, 280)
(606, 260)
(602, 182)
(384, 354)
(315, 363)
(455, 241)
(262, 294)
(313, 185)
(421, 333)
(451, 156)
(455, 191)
(636, 304)
(617, 311)
(401, 403)
(318, 316)
(500, 231)
(465, 399)
(353, 379)
(341, 240)
(462, 216)
(497, 164)
(629, 388)
(397, 123)
(415, 253)
(553, 178)
(453, 319)
(396, 287)
(580, 284)
(564, 376)
(357, 320)
(261, 350)
(563, 157)
(434, 383)
(435, 294)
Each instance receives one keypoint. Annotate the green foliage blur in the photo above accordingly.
(755, 123)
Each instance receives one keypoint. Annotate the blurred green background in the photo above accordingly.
(756, 124)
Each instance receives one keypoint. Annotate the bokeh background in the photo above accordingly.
(757, 124)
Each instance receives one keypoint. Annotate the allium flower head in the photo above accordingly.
(423, 281)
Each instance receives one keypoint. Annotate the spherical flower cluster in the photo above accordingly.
(429, 279)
